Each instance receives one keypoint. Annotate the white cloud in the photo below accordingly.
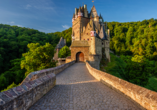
(28, 6)
(41, 5)
(65, 26)
(12, 22)
(19, 25)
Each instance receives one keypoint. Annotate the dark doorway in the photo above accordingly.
(79, 57)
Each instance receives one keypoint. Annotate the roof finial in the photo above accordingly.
(93, 2)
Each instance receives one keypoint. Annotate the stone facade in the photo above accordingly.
(142, 97)
(88, 29)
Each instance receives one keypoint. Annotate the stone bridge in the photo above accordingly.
(79, 87)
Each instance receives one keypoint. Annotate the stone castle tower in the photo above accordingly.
(89, 37)
(61, 43)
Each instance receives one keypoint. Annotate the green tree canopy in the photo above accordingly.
(64, 52)
(38, 57)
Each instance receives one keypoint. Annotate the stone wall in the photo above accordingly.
(24, 96)
(56, 54)
(144, 97)
(34, 86)
(61, 61)
(41, 73)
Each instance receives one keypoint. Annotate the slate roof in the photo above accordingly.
(102, 33)
(61, 43)
(80, 44)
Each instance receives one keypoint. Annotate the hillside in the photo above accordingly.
(134, 38)
(13, 43)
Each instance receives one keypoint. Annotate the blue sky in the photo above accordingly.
(56, 15)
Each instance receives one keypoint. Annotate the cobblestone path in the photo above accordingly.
(76, 89)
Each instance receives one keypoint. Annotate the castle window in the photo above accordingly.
(88, 39)
(84, 39)
(102, 44)
(87, 33)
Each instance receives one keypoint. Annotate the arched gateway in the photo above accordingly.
(79, 57)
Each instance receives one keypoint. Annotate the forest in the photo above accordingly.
(14, 42)
(135, 44)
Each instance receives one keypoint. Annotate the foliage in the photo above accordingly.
(152, 84)
(116, 67)
(38, 57)
(134, 38)
(137, 72)
(136, 42)
(15, 74)
(64, 52)
(142, 73)
(13, 43)
(10, 86)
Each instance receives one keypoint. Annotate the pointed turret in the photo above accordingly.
(85, 11)
(102, 33)
(76, 13)
(93, 12)
(61, 43)
(80, 14)
(73, 18)
(100, 19)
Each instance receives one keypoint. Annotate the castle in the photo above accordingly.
(89, 37)
(61, 44)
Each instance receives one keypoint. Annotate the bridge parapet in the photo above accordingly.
(37, 74)
(36, 85)
(145, 98)
(25, 95)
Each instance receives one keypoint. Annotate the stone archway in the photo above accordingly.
(79, 57)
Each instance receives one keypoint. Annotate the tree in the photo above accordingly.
(64, 52)
(38, 57)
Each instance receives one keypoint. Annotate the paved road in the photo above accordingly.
(76, 89)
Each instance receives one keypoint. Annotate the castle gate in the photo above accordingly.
(79, 57)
